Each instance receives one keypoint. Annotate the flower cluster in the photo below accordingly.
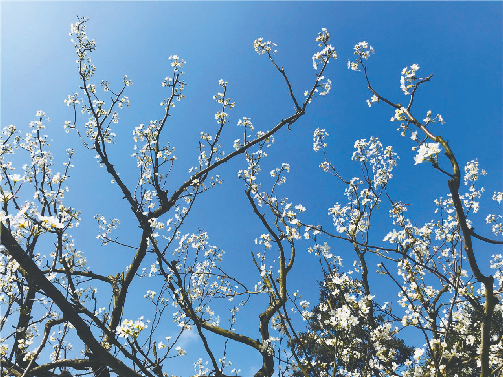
(203, 283)
(382, 160)
(496, 221)
(319, 139)
(246, 123)
(221, 116)
(154, 162)
(408, 78)
(354, 217)
(105, 228)
(263, 47)
(128, 328)
(429, 119)
(324, 250)
(363, 50)
(50, 222)
(399, 115)
(321, 88)
(328, 52)
(473, 172)
(248, 127)
(83, 46)
(27, 219)
(323, 56)
(428, 152)
(176, 83)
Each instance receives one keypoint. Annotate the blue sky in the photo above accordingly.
(460, 43)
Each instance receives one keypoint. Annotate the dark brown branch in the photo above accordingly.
(482, 238)
(172, 201)
(33, 273)
(80, 364)
(48, 326)
(282, 71)
(88, 274)
(120, 297)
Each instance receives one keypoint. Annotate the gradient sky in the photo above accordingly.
(460, 43)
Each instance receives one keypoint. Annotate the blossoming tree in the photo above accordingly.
(62, 326)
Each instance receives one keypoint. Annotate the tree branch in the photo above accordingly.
(32, 272)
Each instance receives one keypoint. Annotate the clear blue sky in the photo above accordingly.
(460, 43)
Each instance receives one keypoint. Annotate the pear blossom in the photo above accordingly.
(426, 151)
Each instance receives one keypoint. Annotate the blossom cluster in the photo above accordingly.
(319, 139)
(128, 328)
(363, 51)
(263, 47)
(353, 217)
(428, 152)
(176, 83)
(408, 78)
